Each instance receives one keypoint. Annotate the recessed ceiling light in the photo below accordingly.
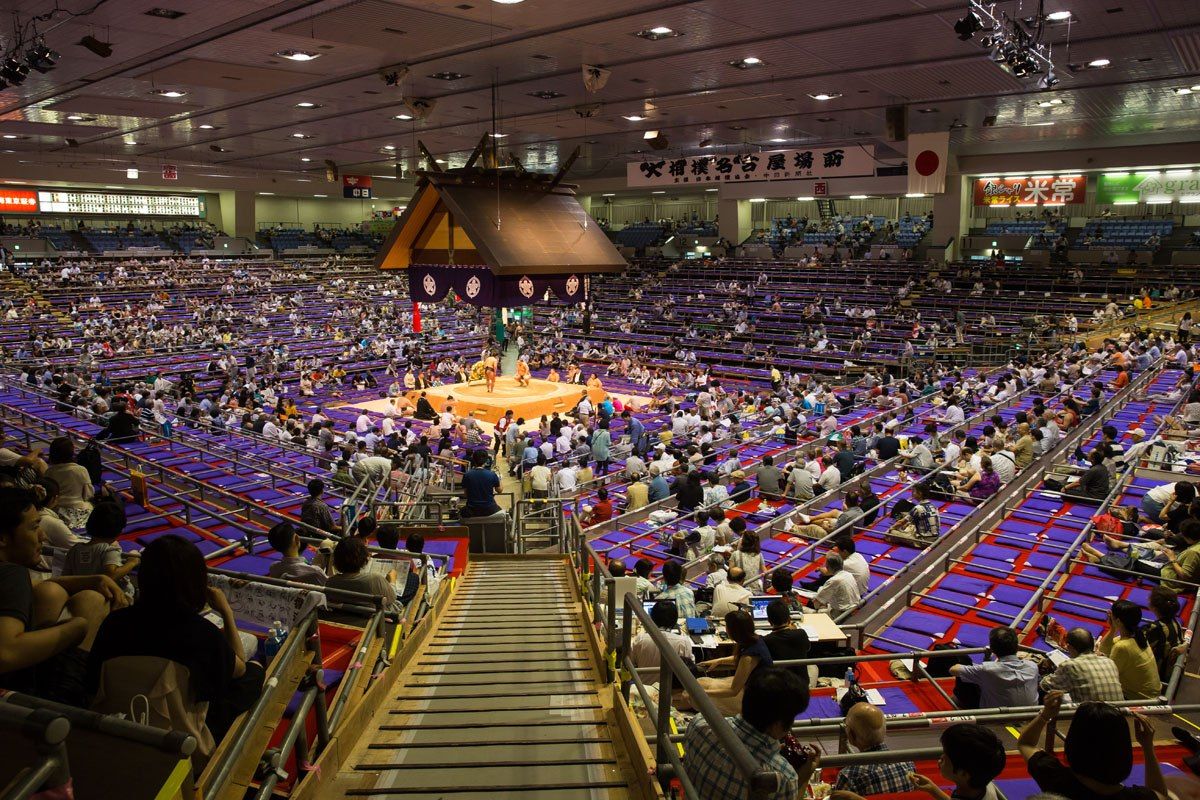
(305, 159)
(1041, 124)
(634, 117)
(389, 147)
(805, 199)
(1058, 16)
(1099, 63)
(297, 55)
(1183, 90)
(320, 195)
(168, 93)
(448, 76)
(778, 141)
(914, 194)
(546, 94)
(75, 117)
(439, 161)
(1196, 88)
(710, 190)
(758, 199)
(403, 116)
(1057, 101)
(268, 194)
(299, 135)
(609, 194)
(11, 136)
(657, 32)
(826, 96)
(660, 191)
(859, 196)
(307, 104)
(508, 2)
(497, 135)
(929, 110)
(749, 62)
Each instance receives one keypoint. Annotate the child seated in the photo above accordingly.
(102, 555)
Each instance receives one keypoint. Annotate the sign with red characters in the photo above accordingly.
(357, 187)
(18, 201)
(1049, 190)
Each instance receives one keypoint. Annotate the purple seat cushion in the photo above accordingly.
(252, 565)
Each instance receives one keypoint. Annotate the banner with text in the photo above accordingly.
(1149, 187)
(1039, 191)
(357, 187)
(770, 165)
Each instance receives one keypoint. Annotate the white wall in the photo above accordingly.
(302, 212)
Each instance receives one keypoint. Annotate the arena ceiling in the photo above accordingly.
(213, 86)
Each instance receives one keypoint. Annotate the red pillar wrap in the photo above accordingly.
(416, 317)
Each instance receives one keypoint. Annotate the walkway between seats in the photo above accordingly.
(503, 701)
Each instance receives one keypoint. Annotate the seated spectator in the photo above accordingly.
(642, 569)
(74, 483)
(771, 701)
(46, 630)
(102, 555)
(1125, 643)
(770, 479)
(1165, 634)
(731, 595)
(1092, 484)
(748, 556)
(166, 622)
(786, 642)
(1184, 566)
(972, 757)
(1098, 752)
(602, 511)
(292, 566)
(1088, 675)
(750, 653)
(839, 594)
(1009, 681)
(480, 484)
(122, 427)
(674, 588)
(350, 558)
(646, 654)
(1158, 501)
(866, 729)
(58, 535)
(983, 482)
(315, 512)
(852, 561)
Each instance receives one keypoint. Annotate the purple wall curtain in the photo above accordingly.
(479, 287)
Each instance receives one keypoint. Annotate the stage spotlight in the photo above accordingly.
(41, 57)
(968, 26)
(102, 49)
(14, 71)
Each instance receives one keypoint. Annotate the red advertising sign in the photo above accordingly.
(20, 201)
(1037, 191)
(820, 189)
(170, 172)
(356, 186)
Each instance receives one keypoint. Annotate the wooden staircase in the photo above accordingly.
(504, 700)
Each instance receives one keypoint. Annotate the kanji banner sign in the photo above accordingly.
(769, 165)
(1037, 191)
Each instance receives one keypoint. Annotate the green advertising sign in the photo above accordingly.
(1149, 187)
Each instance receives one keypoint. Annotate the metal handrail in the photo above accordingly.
(47, 731)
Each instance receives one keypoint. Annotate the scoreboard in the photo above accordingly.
(161, 205)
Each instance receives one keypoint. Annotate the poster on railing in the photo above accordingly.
(1039, 190)
(768, 165)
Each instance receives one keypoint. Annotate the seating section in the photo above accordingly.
(1127, 234)
(638, 235)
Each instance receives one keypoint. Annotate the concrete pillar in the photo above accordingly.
(951, 218)
(237, 213)
(734, 224)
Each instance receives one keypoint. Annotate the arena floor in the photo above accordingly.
(540, 397)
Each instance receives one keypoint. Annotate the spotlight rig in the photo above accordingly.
(1015, 46)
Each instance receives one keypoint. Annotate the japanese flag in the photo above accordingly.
(927, 155)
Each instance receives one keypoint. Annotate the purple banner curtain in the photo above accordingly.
(479, 287)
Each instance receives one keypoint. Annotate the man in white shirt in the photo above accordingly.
(566, 480)
(539, 479)
(853, 561)
(918, 455)
(831, 478)
(839, 593)
(363, 424)
(666, 618)
(731, 595)
(953, 415)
